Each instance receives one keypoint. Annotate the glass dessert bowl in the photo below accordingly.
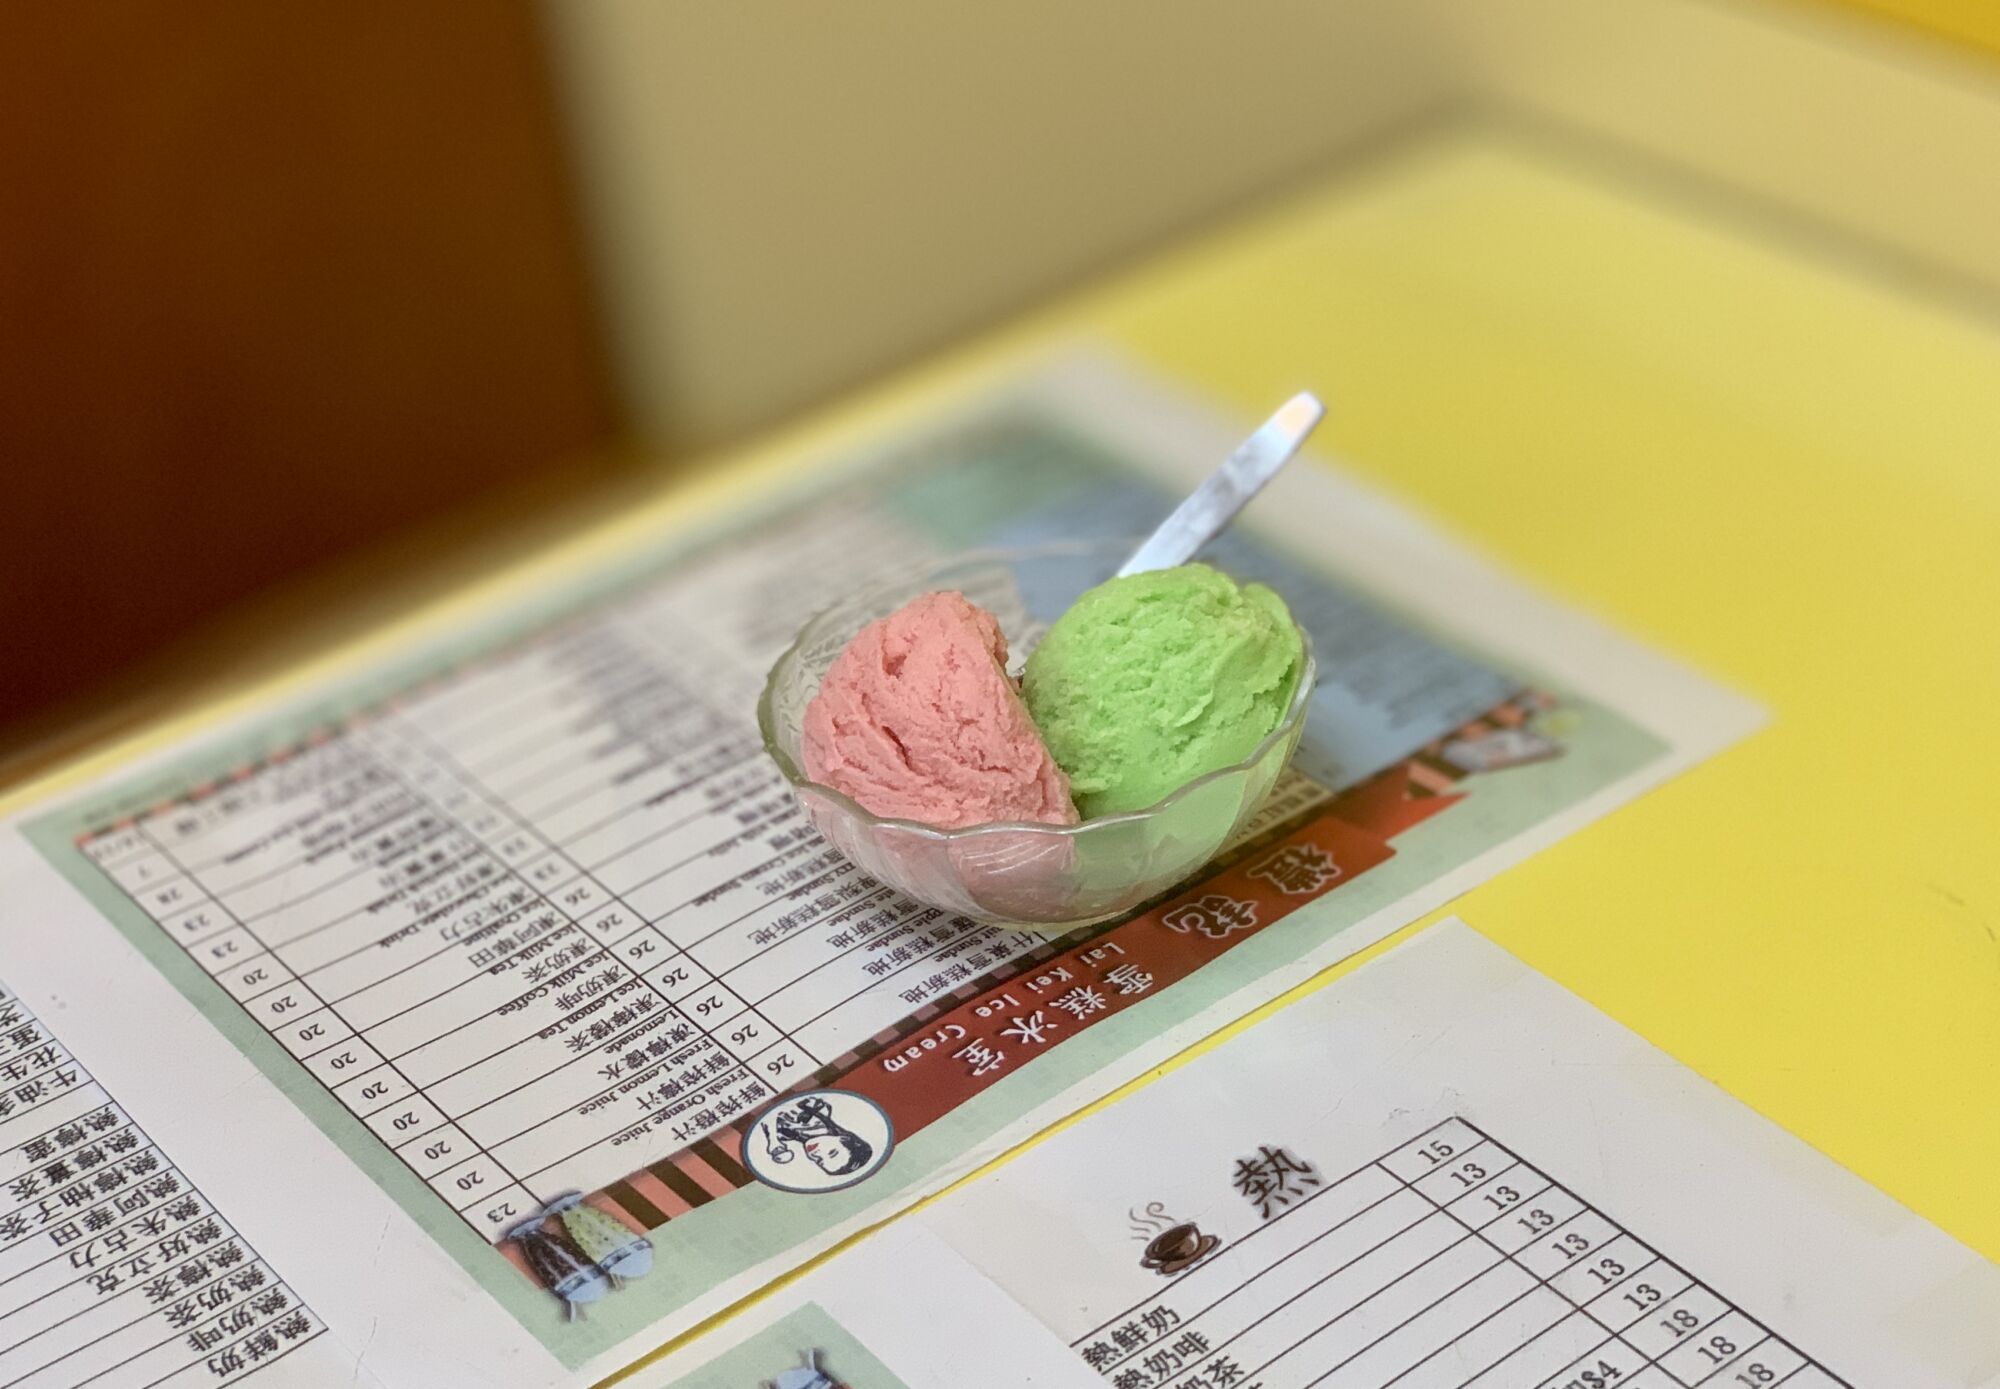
(1048, 877)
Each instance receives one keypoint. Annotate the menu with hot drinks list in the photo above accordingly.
(115, 1270)
(1442, 1171)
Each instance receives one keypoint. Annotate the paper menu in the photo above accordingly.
(527, 916)
(115, 1268)
(1445, 1170)
(1323, 1201)
(900, 1310)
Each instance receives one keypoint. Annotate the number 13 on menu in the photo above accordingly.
(1640, 1320)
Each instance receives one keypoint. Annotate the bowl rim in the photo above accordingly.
(1294, 716)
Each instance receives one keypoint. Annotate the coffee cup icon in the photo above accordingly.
(1180, 1247)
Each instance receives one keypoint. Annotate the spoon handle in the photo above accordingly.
(1214, 504)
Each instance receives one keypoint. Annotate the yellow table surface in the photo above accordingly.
(1745, 446)
(1757, 451)
(1763, 457)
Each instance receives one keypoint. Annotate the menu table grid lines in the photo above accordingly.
(1273, 1312)
(233, 1349)
(116, 1271)
(1717, 1361)
(523, 827)
(389, 1097)
(1130, 1312)
(858, 907)
(653, 838)
(511, 943)
(146, 1159)
(195, 870)
(57, 1325)
(1324, 1192)
(554, 1164)
(1489, 1367)
(585, 896)
(623, 1037)
(1449, 1262)
(334, 1000)
(1539, 1282)
(934, 953)
(1439, 1301)
(53, 1259)
(841, 869)
(513, 934)
(730, 841)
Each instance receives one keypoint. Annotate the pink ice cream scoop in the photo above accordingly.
(918, 720)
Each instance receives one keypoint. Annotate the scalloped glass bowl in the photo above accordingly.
(1047, 877)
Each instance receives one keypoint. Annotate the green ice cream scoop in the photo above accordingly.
(1149, 681)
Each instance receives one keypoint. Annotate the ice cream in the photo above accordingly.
(1146, 683)
(1151, 680)
(917, 719)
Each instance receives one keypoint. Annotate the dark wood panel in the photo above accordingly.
(275, 280)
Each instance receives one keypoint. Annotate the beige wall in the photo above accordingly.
(788, 198)
(1886, 140)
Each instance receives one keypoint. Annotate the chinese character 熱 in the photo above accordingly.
(1273, 1179)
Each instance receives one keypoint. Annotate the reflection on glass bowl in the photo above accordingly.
(1048, 877)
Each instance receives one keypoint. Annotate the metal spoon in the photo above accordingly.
(1215, 503)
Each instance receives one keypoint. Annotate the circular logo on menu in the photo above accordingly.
(825, 1140)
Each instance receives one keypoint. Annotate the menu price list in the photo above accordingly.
(547, 916)
(115, 1271)
(546, 919)
(1448, 1263)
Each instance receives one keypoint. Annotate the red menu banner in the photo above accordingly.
(959, 1053)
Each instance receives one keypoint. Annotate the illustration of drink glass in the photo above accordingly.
(809, 1376)
(563, 1268)
(622, 1253)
